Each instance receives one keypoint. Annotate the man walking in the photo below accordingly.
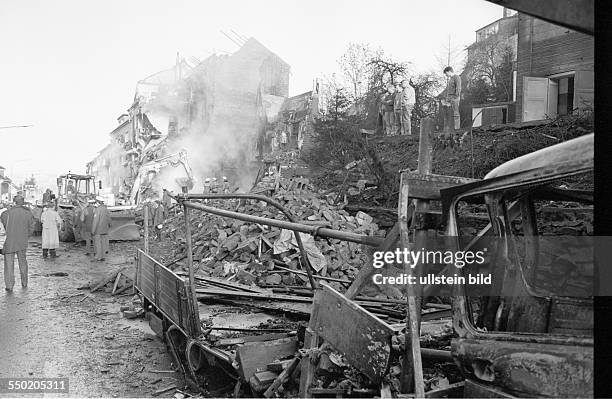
(387, 102)
(87, 216)
(408, 100)
(100, 227)
(18, 223)
(51, 223)
(453, 94)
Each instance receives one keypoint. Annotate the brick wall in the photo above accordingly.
(546, 49)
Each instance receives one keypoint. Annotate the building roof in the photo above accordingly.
(496, 21)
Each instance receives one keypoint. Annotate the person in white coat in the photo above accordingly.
(51, 223)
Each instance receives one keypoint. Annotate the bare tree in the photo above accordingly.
(450, 54)
(492, 62)
(355, 66)
(385, 70)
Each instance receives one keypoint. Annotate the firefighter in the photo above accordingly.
(226, 187)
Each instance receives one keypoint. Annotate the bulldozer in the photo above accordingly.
(74, 191)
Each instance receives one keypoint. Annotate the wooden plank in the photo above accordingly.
(282, 378)
(427, 186)
(364, 339)
(256, 355)
(116, 283)
(255, 295)
(250, 338)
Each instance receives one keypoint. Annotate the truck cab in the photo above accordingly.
(530, 332)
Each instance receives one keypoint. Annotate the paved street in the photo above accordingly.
(51, 329)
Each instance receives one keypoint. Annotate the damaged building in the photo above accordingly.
(552, 69)
(214, 109)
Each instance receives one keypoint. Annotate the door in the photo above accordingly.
(553, 98)
(535, 98)
(584, 89)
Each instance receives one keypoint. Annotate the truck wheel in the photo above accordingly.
(66, 233)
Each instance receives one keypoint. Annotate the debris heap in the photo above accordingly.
(264, 255)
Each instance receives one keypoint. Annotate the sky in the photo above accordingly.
(70, 67)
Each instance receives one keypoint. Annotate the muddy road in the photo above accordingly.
(51, 329)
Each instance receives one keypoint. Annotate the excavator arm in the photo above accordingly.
(174, 160)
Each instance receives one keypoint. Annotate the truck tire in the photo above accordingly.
(66, 233)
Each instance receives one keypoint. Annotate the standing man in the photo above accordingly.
(387, 102)
(397, 110)
(18, 223)
(226, 186)
(453, 94)
(46, 196)
(86, 226)
(380, 116)
(408, 100)
(100, 227)
(51, 223)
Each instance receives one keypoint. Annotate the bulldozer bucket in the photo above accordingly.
(123, 224)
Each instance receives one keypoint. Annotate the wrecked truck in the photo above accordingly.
(525, 337)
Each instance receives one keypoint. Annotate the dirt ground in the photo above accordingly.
(51, 329)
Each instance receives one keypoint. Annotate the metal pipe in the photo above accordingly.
(278, 206)
(190, 259)
(146, 228)
(302, 228)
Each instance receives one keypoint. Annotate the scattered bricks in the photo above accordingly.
(260, 381)
(245, 277)
(279, 366)
(273, 279)
(133, 314)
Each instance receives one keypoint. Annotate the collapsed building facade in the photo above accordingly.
(220, 111)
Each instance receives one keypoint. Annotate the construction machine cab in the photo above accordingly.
(73, 188)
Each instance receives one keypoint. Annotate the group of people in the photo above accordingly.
(397, 102)
(396, 105)
(93, 223)
(280, 140)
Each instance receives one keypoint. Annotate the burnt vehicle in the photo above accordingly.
(531, 334)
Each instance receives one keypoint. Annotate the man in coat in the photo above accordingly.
(387, 104)
(18, 223)
(87, 216)
(51, 223)
(100, 227)
(407, 105)
(453, 94)
(397, 110)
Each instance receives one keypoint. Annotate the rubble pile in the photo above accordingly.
(252, 253)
